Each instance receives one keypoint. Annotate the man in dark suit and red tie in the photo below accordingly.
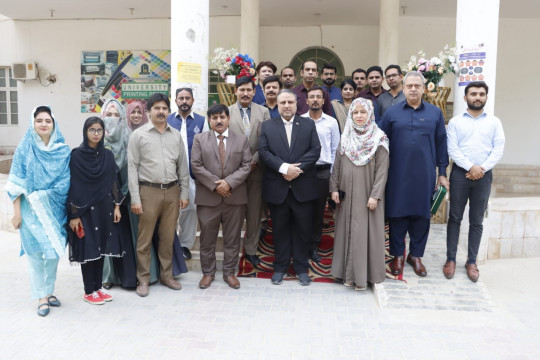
(289, 147)
(221, 163)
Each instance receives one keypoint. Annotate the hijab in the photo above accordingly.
(39, 174)
(117, 133)
(132, 106)
(93, 173)
(359, 143)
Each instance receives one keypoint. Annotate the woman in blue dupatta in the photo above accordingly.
(38, 185)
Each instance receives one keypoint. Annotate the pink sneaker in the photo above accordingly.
(93, 298)
(104, 295)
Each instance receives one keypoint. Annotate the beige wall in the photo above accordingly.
(57, 46)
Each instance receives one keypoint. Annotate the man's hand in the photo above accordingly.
(223, 188)
(443, 180)
(253, 165)
(476, 172)
(372, 203)
(293, 171)
(136, 209)
(183, 203)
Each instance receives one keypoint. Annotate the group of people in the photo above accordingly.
(292, 151)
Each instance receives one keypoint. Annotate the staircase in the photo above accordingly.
(516, 181)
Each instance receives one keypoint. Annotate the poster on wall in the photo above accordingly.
(471, 62)
(103, 74)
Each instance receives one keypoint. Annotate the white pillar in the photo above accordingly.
(189, 50)
(388, 32)
(476, 41)
(249, 29)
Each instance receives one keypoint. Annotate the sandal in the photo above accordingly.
(53, 301)
(360, 288)
(43, 312)
(348, 283)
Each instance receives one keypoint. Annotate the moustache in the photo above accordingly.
(219, 124)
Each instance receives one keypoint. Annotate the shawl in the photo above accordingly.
(341, 111)
(39, 174)
(359, 143)
(93, 174)
(116, 132)
(132, 106)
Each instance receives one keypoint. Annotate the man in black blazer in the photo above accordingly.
(289, 147)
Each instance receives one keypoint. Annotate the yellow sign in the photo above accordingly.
(189, 72)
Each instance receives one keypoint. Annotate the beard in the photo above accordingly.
(471, 105)
(329, 82)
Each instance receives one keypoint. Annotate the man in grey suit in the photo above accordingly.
(220, 161)
(246, 119)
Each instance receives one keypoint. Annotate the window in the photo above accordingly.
(9, 110)
(320, 55)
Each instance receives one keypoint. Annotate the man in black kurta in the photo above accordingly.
(417, 147)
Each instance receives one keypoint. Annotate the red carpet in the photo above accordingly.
(319, 272)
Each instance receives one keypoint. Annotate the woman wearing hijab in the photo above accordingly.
(38, 185)
(136, 115)
(341, 107)
(94, 209)
(359, 174)
(122, 271)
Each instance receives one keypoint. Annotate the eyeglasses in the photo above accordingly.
(391, 76)
(94, 131)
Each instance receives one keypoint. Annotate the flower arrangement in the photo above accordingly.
(230, 62)
(434, 69)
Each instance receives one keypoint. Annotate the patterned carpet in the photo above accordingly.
(319, 272)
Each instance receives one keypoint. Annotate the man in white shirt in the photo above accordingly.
(328, 132)
(476, 144)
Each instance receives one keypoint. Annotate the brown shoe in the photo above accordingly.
(449, 269)
(171, 283)
(232, 281)
(206, 281)
(396, 266)
(472, 272)
(417, 265)
(142, 289)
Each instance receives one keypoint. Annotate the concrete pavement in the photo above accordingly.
(263, 321)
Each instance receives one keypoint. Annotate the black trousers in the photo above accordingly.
(418, 229)
(319, 204)
(92, 274)
(476, 192)
(291, 229)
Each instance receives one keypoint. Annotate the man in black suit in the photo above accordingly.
(289, 147)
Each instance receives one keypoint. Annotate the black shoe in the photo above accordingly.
(304, 279)
(107, 286)
(277, 278)
(314, 255)
(253, 259)
(186, 252)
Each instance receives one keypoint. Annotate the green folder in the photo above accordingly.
(437, 199)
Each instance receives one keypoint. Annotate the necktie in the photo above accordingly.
(245, 121)
(288, 130)
(222, 153)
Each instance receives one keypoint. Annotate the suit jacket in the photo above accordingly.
(206, 167)
(258, 115)
(274, 150)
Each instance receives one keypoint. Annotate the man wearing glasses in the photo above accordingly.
(417, 148)
(395, 95)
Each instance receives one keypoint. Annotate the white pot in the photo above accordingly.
(230, 79)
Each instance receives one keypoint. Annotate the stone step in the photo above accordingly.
(516, 172)
(517, 188)
(508, 179)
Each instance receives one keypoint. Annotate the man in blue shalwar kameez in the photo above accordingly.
(417, 148)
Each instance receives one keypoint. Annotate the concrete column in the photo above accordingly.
(476, 41)
(388, 32)
(189, 50)
(249, 28)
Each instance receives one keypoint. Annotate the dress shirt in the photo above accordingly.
(283, 168)
(302, 106)
(259, 98)
(274, 113)
(475, 141)
(386, 99)
(226, 134)
(328, 131)
(242, 111)
(334, 92)
(368, 94)
(158, 158)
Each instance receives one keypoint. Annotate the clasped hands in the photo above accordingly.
(293, 171)
(476, 172)
(223, 188)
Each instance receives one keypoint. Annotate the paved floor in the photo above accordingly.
(262, 321)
